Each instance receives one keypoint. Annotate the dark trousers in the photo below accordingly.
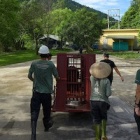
(137, 119)
(37, 100)
(99, 111)
(111, 80)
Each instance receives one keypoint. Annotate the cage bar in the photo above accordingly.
(73, 90)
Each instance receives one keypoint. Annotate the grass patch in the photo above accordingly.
(28, 55)
(17, 57)
(23, 56)
(129, 55)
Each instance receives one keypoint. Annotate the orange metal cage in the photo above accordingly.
(73, 90)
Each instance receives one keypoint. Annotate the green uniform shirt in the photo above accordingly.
(100, 89)
(42, 71)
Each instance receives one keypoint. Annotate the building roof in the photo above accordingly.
(120, 36)
(54, 37)
(120, 30)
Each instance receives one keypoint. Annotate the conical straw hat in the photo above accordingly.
(100, 70)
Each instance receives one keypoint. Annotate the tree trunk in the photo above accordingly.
(36, 46)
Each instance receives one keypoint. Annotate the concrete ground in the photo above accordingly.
(15, 94)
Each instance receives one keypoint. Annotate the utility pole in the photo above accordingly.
(113, 16)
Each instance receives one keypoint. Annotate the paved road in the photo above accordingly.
(15, 96)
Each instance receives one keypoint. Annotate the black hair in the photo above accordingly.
(44, 55)
(106, 55)
(49, 54)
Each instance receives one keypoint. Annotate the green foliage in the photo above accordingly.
(139, 38)
(135, 3)
(83, 28)
(9, 23)
(23, 22)
(70, 4)
(131, 18)
(31, 20)
(29, 55)
(76, 26)
(60, 18)
(17, 57)
(32, 14)
(23, 56)
(130, 55)
(59, 4)
(29, 43)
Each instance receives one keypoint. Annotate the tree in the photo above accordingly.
(35, 19)
(59, 4)
(84, 28)
(9, 25)
(32, 21)
(135, 3)
(139, 39)
(81, 27)
(59, 19)
(131, 18)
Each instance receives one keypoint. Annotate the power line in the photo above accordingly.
(112, 15)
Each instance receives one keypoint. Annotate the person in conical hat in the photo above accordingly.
(100, 92)
(100, 70)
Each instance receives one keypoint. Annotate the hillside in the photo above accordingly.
(131, 19)
(69, 4)
(74, 6)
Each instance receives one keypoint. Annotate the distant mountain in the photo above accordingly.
(74, 6)
(71, 5)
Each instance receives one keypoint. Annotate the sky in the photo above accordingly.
(111, 7)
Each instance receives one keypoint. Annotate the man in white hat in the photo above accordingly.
(41, 72)
(100, 91)
(43, 50)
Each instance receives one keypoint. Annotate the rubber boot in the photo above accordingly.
(33, 128)
(103, 128)
(97, 131)
(47, 125)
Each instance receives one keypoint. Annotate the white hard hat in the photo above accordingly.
(43, 50)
